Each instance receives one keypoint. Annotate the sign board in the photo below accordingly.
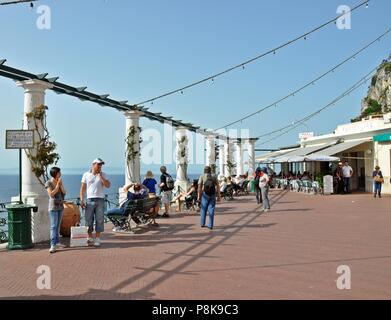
(19, 139)
(306, 135)
(382, 137)
(328, 187)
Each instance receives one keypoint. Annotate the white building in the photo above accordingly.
(363, 144)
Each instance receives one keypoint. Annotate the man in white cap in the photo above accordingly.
(94, 182)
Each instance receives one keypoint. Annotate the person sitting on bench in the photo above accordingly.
(182, 197)
(139, 192)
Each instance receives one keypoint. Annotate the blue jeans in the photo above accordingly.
(346, 185)
(265, 197)
(55, 222)
(378, 188)
(208, 203)
(95, 213)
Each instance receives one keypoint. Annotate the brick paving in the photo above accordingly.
(292, 252)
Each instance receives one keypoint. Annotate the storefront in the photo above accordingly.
(363, 144)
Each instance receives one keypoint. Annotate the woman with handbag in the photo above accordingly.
(378, 180)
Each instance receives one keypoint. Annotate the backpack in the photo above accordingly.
(209, 186)
(170, 183)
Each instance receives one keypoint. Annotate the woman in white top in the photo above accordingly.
(264, 186)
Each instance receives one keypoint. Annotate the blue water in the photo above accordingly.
(9, 185)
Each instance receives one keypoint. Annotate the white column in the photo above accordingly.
(211, 152)
(228, 156)
(34, 96)
(222, 159)
(251, 156)
(239, 158)
(33, 192)
(182, 159)
(132, 167)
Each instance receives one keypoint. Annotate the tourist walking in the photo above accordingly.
(264, 186)
(208, 190)
(347, 172)
(258, 194)
(166, 186)
(338, 174)
(150, 182)
(93, 183)
(378, 180)
(56, 191)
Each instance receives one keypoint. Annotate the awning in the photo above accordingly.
(314, 157)
(270, 156)
(340, 147)
(300, 152)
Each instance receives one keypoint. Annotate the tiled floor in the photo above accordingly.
(292, 252)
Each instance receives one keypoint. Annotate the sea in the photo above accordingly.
(9, 185)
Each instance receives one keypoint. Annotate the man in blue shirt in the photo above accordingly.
(139, 192)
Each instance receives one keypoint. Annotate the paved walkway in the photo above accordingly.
(292, 252)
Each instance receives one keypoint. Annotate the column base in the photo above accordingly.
(40, 221)
(122, 195)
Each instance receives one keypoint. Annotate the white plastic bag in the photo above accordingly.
(79, 236)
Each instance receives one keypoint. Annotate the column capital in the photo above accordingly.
(133, 114)
(181, 128)
(34, 85)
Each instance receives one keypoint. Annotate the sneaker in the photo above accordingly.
(165, 215)
(266, 210)
(60, 246)
(52, 249)
(97, 242)
(90, 241)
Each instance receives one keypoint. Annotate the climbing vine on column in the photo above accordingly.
(44, 154)
(131, 152)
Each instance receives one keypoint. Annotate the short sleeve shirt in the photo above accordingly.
(56, 203)
(346, 170)
(95, 188)
(150, 183)
(204, 177)
(163, 179)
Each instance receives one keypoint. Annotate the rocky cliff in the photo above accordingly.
(378, 100)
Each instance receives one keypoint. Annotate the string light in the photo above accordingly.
(262, 55)
(312, 82)
(294, 125)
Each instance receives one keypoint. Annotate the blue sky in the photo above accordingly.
(135, 50)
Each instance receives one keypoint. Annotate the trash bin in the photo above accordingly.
(19, 226)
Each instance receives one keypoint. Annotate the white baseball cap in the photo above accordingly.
(98, 160)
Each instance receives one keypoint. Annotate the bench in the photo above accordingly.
(142, 211)
(243, 190)
(228, 194)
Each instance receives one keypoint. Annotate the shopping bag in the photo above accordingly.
(79, 236)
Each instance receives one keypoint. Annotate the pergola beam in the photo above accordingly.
(103, 100)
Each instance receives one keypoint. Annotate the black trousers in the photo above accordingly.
(258, 193)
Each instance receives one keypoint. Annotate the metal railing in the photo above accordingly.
(4, 222)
